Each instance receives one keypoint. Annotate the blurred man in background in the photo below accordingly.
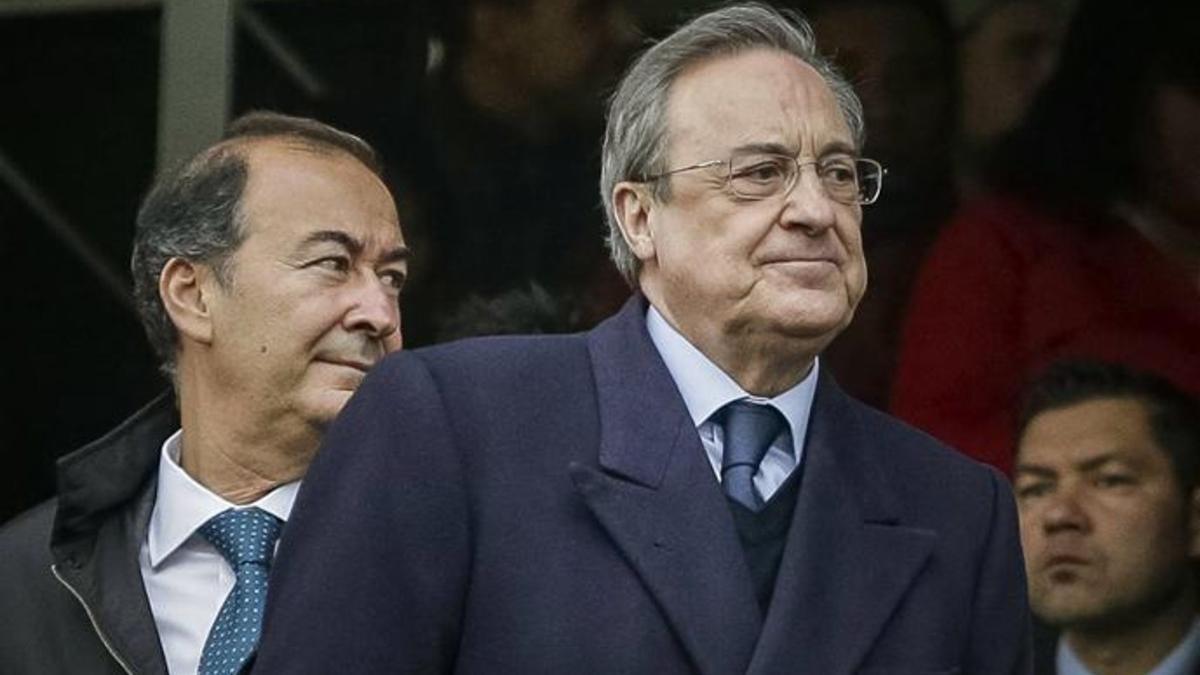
(1106, 480)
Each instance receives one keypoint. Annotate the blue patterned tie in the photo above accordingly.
(246, 537)
(749, 430)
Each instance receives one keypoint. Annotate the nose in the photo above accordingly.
(807, 206)
(1063, 511)
(375, 310)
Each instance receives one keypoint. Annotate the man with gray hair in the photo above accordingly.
(267, 272)
(683, 489)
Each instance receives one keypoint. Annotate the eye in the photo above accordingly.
(1026, 491)
(333, 263)
(393, 278)
(1114, 480)
(761, 171)
(839, 172)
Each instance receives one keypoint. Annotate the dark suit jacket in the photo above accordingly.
(544, 505)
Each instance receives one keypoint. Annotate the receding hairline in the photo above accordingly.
(670, 108)
(243, 147)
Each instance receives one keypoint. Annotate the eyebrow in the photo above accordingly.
(766, 148)
(838, 148)
(1086, 465)
(354, 246)
(831, 148)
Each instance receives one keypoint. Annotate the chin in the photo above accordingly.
(810, 317)
(1061, 606)
(324, 407)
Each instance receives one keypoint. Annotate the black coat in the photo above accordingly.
(71, 593)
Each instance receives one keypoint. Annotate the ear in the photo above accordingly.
(185, 289)
(1193, 507)
(632, 204)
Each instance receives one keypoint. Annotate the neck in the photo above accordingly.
(1134, 647)
(763, 364)
(236, 457)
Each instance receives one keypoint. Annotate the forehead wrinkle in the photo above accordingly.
(793, 107)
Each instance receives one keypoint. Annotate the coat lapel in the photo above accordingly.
(848, 561)
(656, 496)
(110, 585)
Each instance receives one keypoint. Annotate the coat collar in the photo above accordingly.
(656, 495)
(109, 472)
(849, 557)
(108, 582)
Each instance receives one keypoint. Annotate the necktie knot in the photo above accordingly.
(750, 428)
(243, 535)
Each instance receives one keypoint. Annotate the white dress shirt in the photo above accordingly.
(1183, 660)
(186, 578)
(706, 389)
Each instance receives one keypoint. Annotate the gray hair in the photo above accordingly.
(635, 140)
(193, 212)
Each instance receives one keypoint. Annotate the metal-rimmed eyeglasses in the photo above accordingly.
(762, 175)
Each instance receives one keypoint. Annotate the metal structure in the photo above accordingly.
(195, 90)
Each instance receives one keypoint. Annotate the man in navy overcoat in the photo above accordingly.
(683, 489)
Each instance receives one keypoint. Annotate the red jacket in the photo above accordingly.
(1007, 290)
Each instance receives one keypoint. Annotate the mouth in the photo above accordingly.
(807, 271)
(361, 366)
(1064, 560)
(800, 262)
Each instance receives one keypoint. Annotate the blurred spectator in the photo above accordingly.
(899, 54)
(1107, 467)
(513, 128)
(514, 312)
(1008, 49)
(1088, 245)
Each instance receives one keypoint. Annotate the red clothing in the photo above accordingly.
(1007, 290)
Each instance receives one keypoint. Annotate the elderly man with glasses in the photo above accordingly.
(685, 488)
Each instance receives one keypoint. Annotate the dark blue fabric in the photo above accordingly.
(544, 505)
(246, 538)
(763, 535)
(749, 430)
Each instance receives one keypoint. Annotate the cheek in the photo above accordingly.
(1148, 537)
(705, 249)
(856, 262)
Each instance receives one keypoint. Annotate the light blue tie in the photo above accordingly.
(749, 430)
(246, 538)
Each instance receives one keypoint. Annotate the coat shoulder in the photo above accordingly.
(924, 466)
(25, 540)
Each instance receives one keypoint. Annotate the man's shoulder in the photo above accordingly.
(25, 556)
(912, 443)
(505, 346)
(28, 534)
(916, 461)
(499, 358)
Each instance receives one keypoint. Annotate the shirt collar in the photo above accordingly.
(1183, 660)
(182, 505)
(705, 388)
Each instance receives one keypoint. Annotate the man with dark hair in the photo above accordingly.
(683, 489)
(1108, 462)
(515, 109)
(267, 272)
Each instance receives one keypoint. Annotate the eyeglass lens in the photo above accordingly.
(847, 180)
